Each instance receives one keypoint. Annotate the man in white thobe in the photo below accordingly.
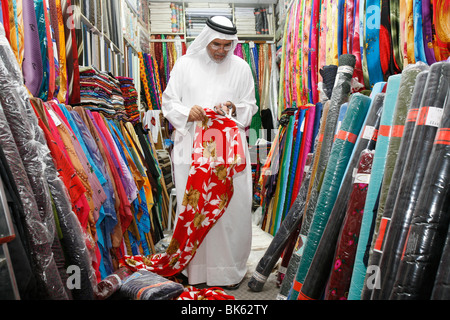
(211, 76)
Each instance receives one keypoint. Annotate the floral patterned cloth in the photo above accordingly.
(218, 154)
(213, 293)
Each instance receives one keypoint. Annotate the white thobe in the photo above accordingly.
(222, 257)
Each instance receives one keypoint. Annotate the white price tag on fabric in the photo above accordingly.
(345, 69)
(368, 132)
(362, 178)
(434, 117)
(54, 117)
(251, 44)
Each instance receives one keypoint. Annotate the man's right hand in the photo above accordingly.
(197, 113)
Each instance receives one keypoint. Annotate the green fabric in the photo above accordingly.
(336, 167)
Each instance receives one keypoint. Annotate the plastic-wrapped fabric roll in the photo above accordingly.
(341, 270)
(303, 198)
(429, 224)
(289, 246)
(359, 269)
(410, 94)
(112, 283)
(42, 228)
(317, 276)
(413, 175)
(441, 288)
(337, 164)
(146, 285)
(328, 74)
(341, 90)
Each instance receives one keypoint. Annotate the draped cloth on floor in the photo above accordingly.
(217, 156)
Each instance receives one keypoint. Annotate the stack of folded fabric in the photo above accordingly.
(160, 18)
(100, 91)
(245, 20)
(198, 13)
(130, 97)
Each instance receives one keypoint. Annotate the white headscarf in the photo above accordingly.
(208, 34)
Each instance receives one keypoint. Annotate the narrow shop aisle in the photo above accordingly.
(260, 242)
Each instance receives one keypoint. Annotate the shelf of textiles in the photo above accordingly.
(89, 186)
(188, 18)
(98, 50)
(364, 215)
(104, 18)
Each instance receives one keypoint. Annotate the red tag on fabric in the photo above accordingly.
(346, 136)
(397, 131)
(384, 131)
(412, 115)
(443, 136)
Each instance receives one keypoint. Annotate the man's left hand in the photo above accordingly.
(230, 105)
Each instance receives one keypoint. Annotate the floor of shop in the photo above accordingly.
(260, 242)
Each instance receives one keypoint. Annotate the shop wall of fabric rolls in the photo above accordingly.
(352, 213)
(85, 166)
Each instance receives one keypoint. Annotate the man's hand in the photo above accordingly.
(224, 109)
(197, 113)
(230, 105)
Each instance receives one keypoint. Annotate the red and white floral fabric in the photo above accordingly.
(217, 156)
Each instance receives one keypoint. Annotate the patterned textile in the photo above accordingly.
(216, 158)
(213, 293)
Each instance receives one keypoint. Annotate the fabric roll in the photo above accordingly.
(112, 283)
(300, 208)
(342, 266)
(145, 285)
(429, 224)
(290, 243)
(284, 233)
(337, 164)
(378, 167)
(328, 74)
(410, 94)
(19, 247)
(32, 67)
(318, 272)
(416, 162)
(441, 288)
(341, 90)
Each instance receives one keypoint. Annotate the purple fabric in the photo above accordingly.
(32, 68)
(427, 30)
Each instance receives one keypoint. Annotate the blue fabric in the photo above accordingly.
(341, 22)
(419, 51)
(372, 33)
(295, 157)
(360, 267)
(143, 222)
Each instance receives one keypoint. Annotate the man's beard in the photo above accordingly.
(217, 60)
